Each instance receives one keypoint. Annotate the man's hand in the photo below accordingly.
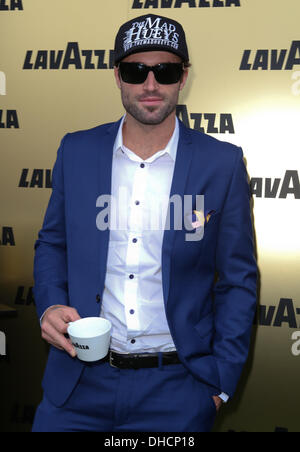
(55, 324)
(218, 402)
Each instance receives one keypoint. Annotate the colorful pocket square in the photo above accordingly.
(208, 215)
(198, 219)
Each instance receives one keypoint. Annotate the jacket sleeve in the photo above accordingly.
(50, 262)
(235, 290)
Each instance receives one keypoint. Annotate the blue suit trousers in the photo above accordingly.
(107, 399)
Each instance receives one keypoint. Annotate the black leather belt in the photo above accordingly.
(141, 360)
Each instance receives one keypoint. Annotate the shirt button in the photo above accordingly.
(137, 202)
(142, 165)
(131, 276)
(131, 311)
(132, 341)
(134, 240)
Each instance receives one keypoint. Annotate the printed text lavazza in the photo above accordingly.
(72, 57)
(11, 5)
(139, 4)
(271, 59)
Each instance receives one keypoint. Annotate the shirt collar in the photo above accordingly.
(170, 149)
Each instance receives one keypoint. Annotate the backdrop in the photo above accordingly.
(244, 87)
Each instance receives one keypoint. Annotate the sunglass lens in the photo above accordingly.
(168, 73)
(133, 73)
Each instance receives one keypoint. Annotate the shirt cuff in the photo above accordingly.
(41, 319)
(224, 397)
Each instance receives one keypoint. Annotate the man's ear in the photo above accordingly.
(117, 77)
(184, 78)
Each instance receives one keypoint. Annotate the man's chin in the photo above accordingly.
(151, 116)
(150, 122)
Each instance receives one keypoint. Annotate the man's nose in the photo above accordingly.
(150, 82)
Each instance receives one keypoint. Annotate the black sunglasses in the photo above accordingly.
(137, 73)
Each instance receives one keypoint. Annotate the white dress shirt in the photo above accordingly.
(133, 296)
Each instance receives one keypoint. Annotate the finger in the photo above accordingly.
(59, 318)
(70, 315)
(57, 323)
(57, 339)
(50, 341)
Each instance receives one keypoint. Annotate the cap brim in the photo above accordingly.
(153, 48)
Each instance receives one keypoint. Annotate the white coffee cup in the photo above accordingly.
(91, 337)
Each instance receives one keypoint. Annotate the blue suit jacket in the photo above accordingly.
(210, 318)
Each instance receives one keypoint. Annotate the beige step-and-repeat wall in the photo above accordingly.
(56, 76)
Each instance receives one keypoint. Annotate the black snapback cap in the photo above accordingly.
(150, 32)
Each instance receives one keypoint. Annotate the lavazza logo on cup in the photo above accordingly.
(90, 337)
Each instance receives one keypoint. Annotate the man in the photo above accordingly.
(181, 298)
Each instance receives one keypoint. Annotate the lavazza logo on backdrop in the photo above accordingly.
(277, 188)
(206, 122)
(36, 178)
(7, 237)
(9, 119)
(11, 5)
(285, 313)
(70, 57)
(275, 60)
(139, 4)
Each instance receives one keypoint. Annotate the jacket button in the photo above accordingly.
(98, 298)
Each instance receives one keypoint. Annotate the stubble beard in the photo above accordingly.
(149, 115)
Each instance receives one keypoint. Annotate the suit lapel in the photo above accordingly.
(180, 175)
(104, 174)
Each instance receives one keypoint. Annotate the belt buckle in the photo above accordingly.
(111, 360)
